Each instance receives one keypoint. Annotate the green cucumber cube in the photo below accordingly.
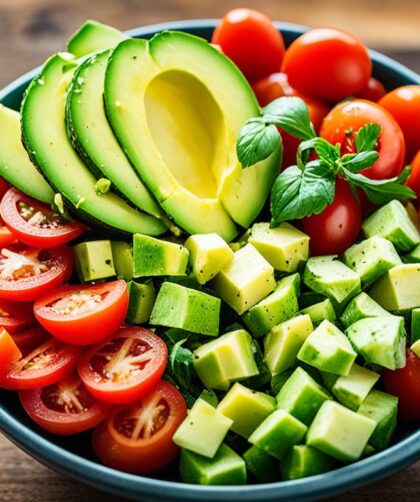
(210, 397)
(263, 467)
(303, 461)
(122, 254)
(415, 325)
(141, 300)
(320, 311)
(328, 379)
(360, 307)
(351, 390)
(93, 260)
(279, 380)
(413, 256)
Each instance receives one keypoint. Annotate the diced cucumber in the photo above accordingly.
(263, 467)
(303, 461)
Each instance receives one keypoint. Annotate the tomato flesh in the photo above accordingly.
(9, 353)
(29, 340)
(16, 316)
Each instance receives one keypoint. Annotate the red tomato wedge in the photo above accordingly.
(27, 273)
(36, 224)
(137, 438)
(45, 365)
(9, 353)
(83, 315)
(29, 340)
(16, 316)
(125, 367)
(65, 407)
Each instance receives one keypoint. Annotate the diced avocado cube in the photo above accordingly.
(93, 260)
(360, 307)
(371, 258)
(328, 349)
(382, 408)
(142, 298)
(280, 305)
(320, 311)
(309, 298)
(329, 379)
(413, 256)
(225, 468)
(393, 223)
(351, 390)
(415, 325)
(225, 360)
(209, 253)
(122, 254)
(301, 396)
(278, 433)
(185, 308)
(282, 344)
(398, 289)
(415, 347)
(380, 340)
(303, 461)
(339, 432)
(210, 397)
(326, 275)
(203, 430)
(155, 257)
(263, 467)
(246, 280)
(285, 247)
(279, 380)
(247, 408)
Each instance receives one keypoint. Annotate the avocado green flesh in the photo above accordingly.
(91, 37)
(45, 138)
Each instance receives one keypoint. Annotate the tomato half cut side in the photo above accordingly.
(83, 315)
(35, 223)
(9, 353)
(29, 340)
(137, 437)
(65, 407)
(125, 367)
(45, 365)
(16, 316)
(27, 273)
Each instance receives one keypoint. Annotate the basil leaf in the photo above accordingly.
(367, 137)
(327, 153)
(291, 114)
(298, 193)
(181, 364)
(256, 142)
(357, 162)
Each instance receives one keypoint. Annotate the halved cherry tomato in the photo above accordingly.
(36, 224)
(373, 91)
(6, 236)
(343, 122)
(27, 273)
(414, 179)
(16, 316)
(125, 367)
(327, 64)
(4, 186)
(29, 340)
(250, 39)
(405, 384)
(9, 353)
(337, 227)
(65, 407)
(82, 315)
(45, 365)
(137, 437)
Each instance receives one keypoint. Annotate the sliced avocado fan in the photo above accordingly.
(45, 139)
(93, 36)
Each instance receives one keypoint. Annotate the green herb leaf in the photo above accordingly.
(256, 142)
(181, 364)
(355, 162)
(367, 137)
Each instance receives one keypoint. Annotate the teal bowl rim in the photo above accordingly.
(131, 486)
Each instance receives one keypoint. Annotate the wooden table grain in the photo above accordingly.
(30, 30)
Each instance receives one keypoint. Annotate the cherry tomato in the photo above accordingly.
(405, 384)
(35, 223)
(337, 227)
(27, 273)
(414, 179)
(250, 39)
(65, 407)
(16, 316)
(125, 367)
(6, 236)
(272, 87)
(9, 353)
(343, 122)
(29, 340)
(403, 104)
(45, 365)
(373, 91)
(82, 315)
(4, 186)
(327, 64)
(137, 437)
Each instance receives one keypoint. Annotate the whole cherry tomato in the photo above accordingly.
(414, 179)
(373, 91)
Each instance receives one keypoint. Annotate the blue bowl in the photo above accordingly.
(73, 456)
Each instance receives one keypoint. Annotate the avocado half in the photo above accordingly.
(176, 105)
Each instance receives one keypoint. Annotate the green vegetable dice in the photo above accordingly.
(303, 461)
(351, 390)
(93, 260)
(263, 467)
(320, 311)
(360, 307)
(141, 300)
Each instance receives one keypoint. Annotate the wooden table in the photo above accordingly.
(30, 30)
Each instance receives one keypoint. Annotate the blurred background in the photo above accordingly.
(30, 30)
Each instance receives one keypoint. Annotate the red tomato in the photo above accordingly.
(373, 91)
(16, 317)
(405, 384)
(6, 236)
(272, 87)
(125, 367)
(403, 104)
(4, 186)
(327, 64)
(35, 223)
(65, 407)
(343, 122)
(9, 353)
(45, 365)
(137, 437)
(82, 315)
(337, 227)
(29, 340)
(250, 39)
(27, 273)
(414, 179)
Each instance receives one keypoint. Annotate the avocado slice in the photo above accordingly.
(177, 104)
(45, 139)
(15, 166)
(93, 36)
